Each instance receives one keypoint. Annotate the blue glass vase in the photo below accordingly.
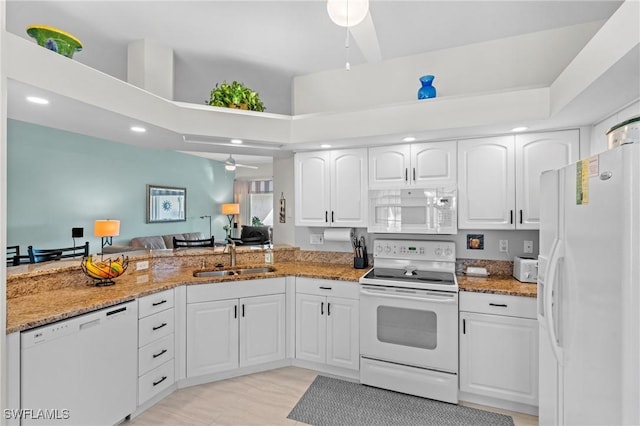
(427, 90)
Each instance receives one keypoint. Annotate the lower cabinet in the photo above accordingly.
(499, 347)
(327, 326)
(235, 332)
(156, 344)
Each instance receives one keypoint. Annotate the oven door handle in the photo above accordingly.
(435, 297)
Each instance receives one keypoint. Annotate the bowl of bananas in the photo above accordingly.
(104, 271)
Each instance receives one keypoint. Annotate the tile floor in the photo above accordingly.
(257, 399)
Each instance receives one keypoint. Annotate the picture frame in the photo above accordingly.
(166, 204)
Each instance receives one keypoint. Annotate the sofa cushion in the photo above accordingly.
(155, 243)
(168, 239)
(193, 236)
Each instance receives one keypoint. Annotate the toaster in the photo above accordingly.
(525, 269)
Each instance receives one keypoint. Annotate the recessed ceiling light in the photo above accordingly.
(325, 145)
(236, 141)
(37, 100)
(409, 139)
(138, 129)
(519, 129)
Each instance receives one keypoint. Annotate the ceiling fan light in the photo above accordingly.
(347, 13)
(230, 164)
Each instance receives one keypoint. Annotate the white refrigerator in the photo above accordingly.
(589, 291)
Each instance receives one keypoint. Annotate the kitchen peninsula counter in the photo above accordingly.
(59, 291)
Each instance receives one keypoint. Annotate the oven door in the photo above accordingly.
(409, 326)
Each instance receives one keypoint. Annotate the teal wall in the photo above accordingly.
(57, 180)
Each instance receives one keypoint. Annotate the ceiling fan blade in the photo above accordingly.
(246, 166)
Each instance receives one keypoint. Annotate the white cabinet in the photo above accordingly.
(499, 177)
(327, 322)
(331, 188)
(419, 164)
(156, 344)
(499, 348)
(236, 331)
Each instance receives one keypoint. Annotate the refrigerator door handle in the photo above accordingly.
(557, 253)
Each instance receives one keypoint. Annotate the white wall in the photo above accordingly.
(283, 233)
(531, 60)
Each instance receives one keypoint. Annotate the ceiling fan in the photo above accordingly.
(230, 164)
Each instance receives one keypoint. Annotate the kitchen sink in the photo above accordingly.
(229, 272)
(254, 270)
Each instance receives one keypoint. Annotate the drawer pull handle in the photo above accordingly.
(499, 305)
(162, 352)
(158, 303)
(322, 308)
(160, 381)
(164, 324)
(325, 288)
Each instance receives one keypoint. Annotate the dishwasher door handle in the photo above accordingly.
(89, 324)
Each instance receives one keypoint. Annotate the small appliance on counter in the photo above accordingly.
(525, 269)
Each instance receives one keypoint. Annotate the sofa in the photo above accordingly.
(160, 242)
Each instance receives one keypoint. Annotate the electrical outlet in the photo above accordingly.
(528, 246)
(142, 265)
(316, 239)
(504, 246)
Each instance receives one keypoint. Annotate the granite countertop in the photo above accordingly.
(38, 309)
(33, 310)
(498, 284)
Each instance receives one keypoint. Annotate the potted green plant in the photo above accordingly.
(235, 95)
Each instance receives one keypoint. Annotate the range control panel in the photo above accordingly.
(444, 251)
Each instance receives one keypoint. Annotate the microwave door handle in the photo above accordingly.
(432, 297)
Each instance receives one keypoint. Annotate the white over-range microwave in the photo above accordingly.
(414, 211)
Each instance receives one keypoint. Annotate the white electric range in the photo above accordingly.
(409, 319)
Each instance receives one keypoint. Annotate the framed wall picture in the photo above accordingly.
(166, 204)
(283, 209)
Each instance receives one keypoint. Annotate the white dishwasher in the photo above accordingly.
(81, 371)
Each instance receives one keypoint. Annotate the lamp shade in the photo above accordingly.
(347, 13)
(231, 208)
(106, 228)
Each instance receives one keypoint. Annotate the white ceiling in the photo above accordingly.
(265, 43)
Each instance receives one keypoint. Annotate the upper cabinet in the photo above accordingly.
(486, 184)
(331, 188)
(499, 177)
(420, 164)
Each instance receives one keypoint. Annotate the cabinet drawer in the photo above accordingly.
(346, 289)
(155, 381)
(155, 353)
(154, 327)
(154, 303)
(498, 304)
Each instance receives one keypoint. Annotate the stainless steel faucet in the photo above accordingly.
(231, 246)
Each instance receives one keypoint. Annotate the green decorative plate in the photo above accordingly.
(55, 39)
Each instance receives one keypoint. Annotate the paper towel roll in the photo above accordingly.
(338, 234)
